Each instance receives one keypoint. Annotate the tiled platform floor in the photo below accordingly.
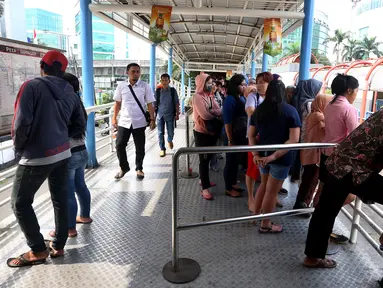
(128, 243)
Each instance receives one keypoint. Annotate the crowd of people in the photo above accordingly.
(49, 130)
(262, 111)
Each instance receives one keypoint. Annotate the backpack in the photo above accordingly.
(158, 97)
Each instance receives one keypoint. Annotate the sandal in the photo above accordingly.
(340, 239)
(22, 262)
(53, 252)
(140, 175)
(240, 190)
(71, 233)
(79, 221)
(273, 229)
(283, 191)
(321, 263)
(233, 193)
(210, 197)
(121, 174)
(212, 184)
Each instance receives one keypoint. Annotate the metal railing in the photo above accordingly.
(10, 172)
(184, 270)
(356, 227)
(188, 173)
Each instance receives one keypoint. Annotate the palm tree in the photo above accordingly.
(368, 46)
(321, 57)
(350, 50)
(338, 39)
(292, 48)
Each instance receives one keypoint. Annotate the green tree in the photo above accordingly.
(350, 50)
(321, 57)
(292, 48)
(338, 39)
(368, 46)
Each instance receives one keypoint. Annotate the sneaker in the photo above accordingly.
(171, 146)
(162, 153)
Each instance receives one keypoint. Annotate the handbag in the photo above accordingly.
(214, 125)
(146, 113)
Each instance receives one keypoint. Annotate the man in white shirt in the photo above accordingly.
(132, 119)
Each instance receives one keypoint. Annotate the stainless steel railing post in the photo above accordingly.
(184, 270)
(188, 173)
(355, 221)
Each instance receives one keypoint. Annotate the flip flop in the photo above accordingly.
(24, 262)
(332, 248)
(82, 222)
(52, 251)
(240, 190)
(322, 263)
(340, 239)
(270, 230)
(283, 191)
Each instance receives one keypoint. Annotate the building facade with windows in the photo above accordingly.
(320, 33)
(109, 42)
(48, 27)
(367, 15)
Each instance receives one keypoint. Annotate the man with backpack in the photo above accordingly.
(167, 110)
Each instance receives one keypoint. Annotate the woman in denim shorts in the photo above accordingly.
(274, 122)
(76, 181)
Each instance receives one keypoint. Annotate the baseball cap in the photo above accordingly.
(55, 56)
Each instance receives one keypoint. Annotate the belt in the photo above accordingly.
(78, 148)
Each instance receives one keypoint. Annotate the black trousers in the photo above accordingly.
(123, 136)
(333, 195)
(310, 180)
(28, 180)
(204, 159)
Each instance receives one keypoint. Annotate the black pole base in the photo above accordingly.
(189, 175)
(188, 270)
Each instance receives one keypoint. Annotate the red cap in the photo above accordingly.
(55, 56)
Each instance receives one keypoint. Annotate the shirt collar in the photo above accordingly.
(137, 83)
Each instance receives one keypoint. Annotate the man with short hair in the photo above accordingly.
(47, 113)
(132, 97)
(167, 109)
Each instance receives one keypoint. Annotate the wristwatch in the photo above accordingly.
(230, 141)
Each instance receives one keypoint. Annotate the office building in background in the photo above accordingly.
(45, 28)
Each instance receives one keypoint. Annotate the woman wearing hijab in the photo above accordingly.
(304, 95)
(310, 159)
(206, 110)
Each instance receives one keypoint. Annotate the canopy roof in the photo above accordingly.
(215, 31)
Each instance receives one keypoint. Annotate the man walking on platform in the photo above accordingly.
(168, 111)
(47, 113)
(132, 97)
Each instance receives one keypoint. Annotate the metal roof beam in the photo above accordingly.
(211, 45)
(213, 52)
(209, 33)
(217, 11)
(221, 23)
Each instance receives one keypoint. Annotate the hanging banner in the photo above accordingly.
(229, 74)
(160, 23)
(272, 34)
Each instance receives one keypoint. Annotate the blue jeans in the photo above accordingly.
(76, 183)
(161, 131)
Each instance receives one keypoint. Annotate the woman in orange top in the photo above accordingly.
(315, 131)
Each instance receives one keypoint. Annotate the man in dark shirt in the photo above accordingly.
(354, 168)
(47, 113)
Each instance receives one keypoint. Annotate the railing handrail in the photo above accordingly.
(98, 107)
(187, 270)
(248, 148)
